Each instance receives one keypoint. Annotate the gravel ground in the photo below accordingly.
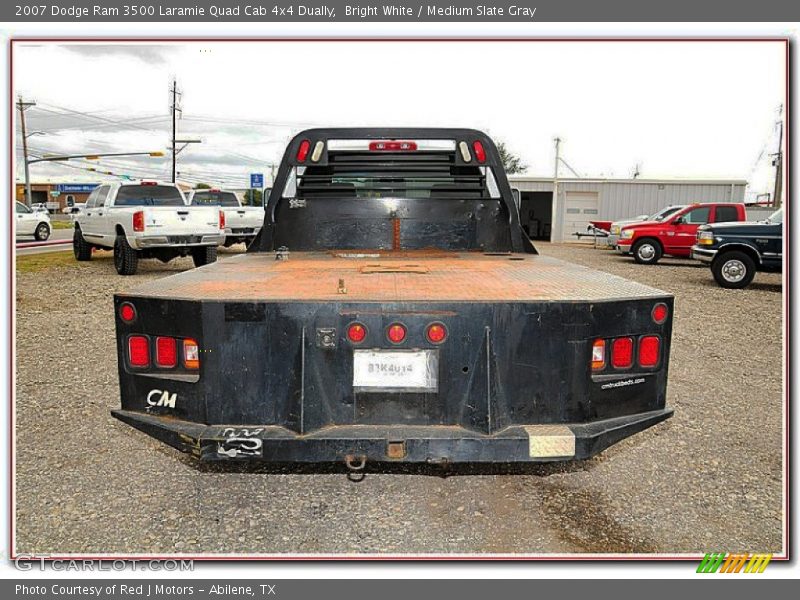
(708, 479)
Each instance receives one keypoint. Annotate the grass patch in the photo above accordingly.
(33, 263)
(61, 225)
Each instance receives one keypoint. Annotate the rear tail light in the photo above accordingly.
(436, 333)
(356, 333)
(149, 183)
(222, 219)
(139, 351)
(302, 150)
(598, 355)
(622, 353)
(480, 153)
(127, 312)
(660, 312)
(649, 350)
(138, 220)
(396, 333)
(166, 352)
(191, 354)
(392, 146)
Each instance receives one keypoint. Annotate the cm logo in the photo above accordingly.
(159, 398)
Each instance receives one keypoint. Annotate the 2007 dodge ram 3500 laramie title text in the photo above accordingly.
(392, 309)
(146, 220)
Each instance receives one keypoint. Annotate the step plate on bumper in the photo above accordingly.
(392, 443)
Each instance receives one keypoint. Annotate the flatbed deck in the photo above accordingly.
(408, 276)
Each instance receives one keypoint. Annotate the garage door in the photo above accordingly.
(580, 208)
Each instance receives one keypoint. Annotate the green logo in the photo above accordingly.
(727, 562)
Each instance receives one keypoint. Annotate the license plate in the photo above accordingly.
(395, 370)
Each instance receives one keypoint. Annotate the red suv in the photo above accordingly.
(674, 236)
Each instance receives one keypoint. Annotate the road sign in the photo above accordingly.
(55, 193)
(256, 181)
(80, 188)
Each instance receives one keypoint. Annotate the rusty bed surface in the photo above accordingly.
(369, 276)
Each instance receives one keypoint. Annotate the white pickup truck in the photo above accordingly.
(242, 223)
(146, 220)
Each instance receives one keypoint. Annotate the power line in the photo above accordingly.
(96, 118)
(286, 124)
(566, 164)
(108, 122)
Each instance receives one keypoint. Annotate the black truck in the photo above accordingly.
(735, 251)
(392, 310)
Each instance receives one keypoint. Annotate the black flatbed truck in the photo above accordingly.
(392, 309)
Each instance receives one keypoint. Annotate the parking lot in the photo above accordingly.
(709, 479)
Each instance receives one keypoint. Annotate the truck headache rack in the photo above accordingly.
(390, 174)
(392, 189)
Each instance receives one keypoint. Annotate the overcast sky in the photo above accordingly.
(688, 109)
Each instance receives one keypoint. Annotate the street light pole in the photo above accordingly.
(22, 107)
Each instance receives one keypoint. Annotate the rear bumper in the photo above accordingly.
(392, 443)
(176, 241)
(624, 246)
(705, 255)
(242, 232)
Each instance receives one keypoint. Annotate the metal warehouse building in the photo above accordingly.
(579, 201)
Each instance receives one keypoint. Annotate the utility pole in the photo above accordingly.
(22, 107)
(174, 125)
(777, 161)
(175, 150)
(553, 212)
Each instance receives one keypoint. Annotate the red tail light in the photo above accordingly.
(127, 312)
(480, 153)
(166, 352)
(138, 351)
(149, 183)
(138, 221)
(302, 151)
(622, 353)
(396, 333)
(356, 333)
(649, 350)
(436, 333)
(221, 219)
(191, 354)
(660, 312)
(598, 355)
(392, 146)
